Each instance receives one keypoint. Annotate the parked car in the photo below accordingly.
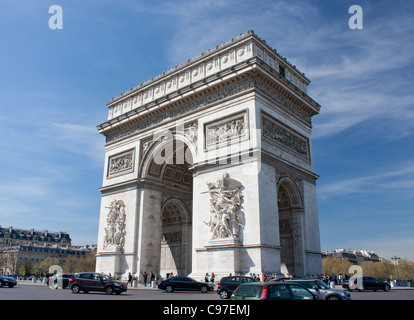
(59, 281)
(272, 290)
(90, 281)
(320, 288)
(184, 284)
(7, 281)
(368, 283)
(227, 285)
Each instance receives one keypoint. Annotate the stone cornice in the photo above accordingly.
(280, 85)
(222, 58)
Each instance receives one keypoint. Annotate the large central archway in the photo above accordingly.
(168, 169)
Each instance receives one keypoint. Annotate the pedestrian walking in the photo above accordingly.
(130, 278)
(212, 278)
(145, 276)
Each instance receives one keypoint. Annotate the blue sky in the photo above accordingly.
(54, 86)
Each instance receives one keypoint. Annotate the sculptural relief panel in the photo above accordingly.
(226, 218)
(121, 163)
(115, 225)
(225, 130)
(277, 133)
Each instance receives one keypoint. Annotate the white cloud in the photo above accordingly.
(78, 139)
(390, 179)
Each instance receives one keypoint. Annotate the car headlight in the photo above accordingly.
(117, 284)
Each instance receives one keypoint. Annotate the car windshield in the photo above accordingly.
(249, 291)
(321, 284)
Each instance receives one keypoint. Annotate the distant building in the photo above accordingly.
(18, 246)
(355, 257)
(11, 236)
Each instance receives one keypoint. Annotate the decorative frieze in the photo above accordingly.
(183, 109)
(209, 99)
(275, 132)
(121, 163)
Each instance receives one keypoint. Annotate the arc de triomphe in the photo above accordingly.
(209, 168)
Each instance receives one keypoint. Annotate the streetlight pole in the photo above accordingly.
(395, 258)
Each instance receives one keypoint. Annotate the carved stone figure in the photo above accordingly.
(115, 221)
(226, 219)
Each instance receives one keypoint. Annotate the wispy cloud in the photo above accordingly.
(391, 179)
(76, 138)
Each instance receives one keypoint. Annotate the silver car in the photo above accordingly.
(322, 290)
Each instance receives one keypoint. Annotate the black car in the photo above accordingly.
(184, 284)
(90, 281)
(227, 285)
(368, 283)
(59, 281)
(7, 281)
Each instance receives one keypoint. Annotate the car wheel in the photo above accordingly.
(387, 288)
(109, 290)
(169, 289)
(204, 289)
(224, 294)
(333, 297)
(75, 289)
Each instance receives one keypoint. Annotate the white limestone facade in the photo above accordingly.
(209, 168)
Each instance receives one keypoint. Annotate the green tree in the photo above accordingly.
(404, 270)
(377, 269)
(336, 266)
(80, 264)
(44, 266)
(25, 268)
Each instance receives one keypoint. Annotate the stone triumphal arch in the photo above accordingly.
(209, 168)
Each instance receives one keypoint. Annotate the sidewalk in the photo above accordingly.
(40, 283)
(393, 288)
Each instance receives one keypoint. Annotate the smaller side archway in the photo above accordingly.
(291, 229)
(176, 234)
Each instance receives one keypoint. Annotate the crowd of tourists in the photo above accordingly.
(210, 278)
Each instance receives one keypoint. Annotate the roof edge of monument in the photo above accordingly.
(297, 76)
